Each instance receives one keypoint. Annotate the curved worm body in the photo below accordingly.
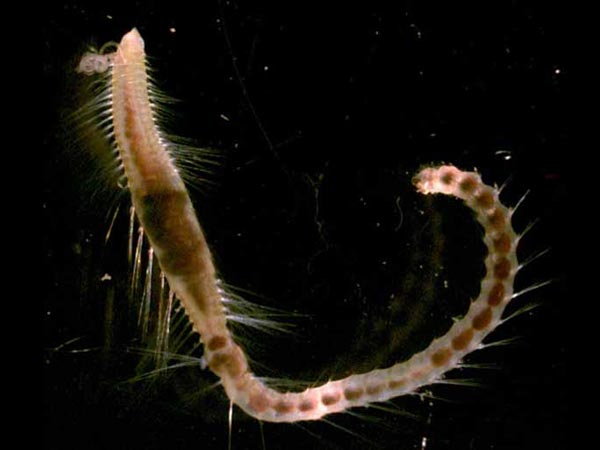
(166, 213)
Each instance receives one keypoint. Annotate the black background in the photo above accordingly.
(321, 117)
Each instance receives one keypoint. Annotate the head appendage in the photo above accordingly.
(94, 62)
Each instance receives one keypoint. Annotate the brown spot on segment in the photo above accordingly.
(352, 394)
(330, 398)
(503, 243)
(497, 219)
(259, 402)
(447, 177)
(496, 294)
(468, 184)
(441, 357)
(284, 407)
(218, 361)
(233, 363)
(374, 389)
(237, 365)
(485, 198)
(217, 343)
(461, 341)
(307, 405)
(502, 269)
(397, 384)
(482, 320)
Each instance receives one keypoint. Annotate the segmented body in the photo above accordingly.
(166, 213)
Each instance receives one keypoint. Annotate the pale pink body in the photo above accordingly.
(165, 211)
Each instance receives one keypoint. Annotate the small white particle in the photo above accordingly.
(506, 155)
(172, 30)
(224, 117)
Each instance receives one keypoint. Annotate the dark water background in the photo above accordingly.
(321, 118)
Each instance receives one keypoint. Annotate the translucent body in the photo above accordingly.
(166, 213)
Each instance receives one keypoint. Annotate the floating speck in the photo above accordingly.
(506, 155)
